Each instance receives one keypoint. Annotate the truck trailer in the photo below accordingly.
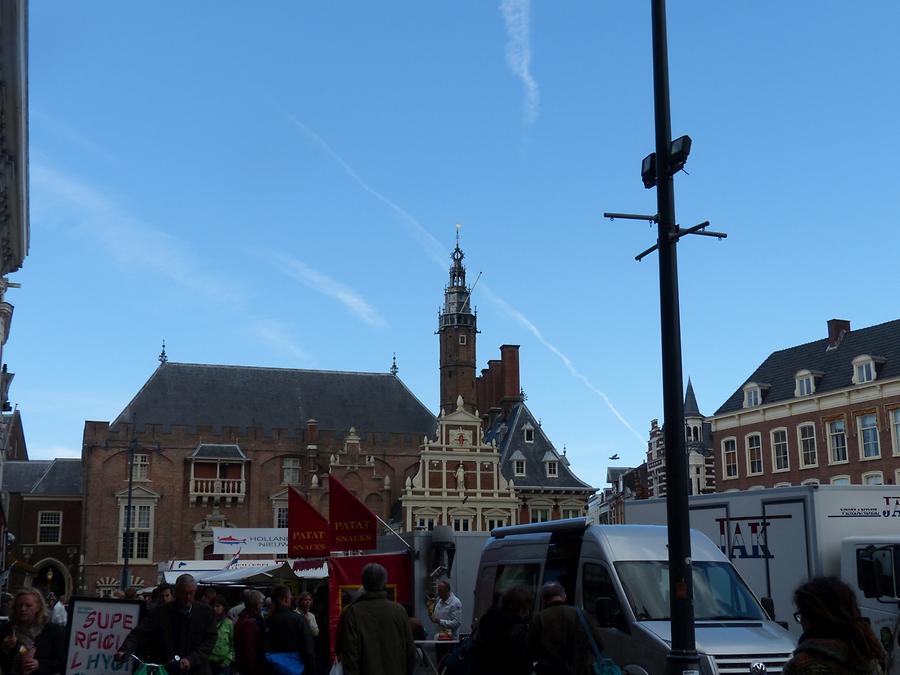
(779, 538)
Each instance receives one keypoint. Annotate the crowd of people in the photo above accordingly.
(198, 634)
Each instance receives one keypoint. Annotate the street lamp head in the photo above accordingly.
(681, 148)
(648, 170)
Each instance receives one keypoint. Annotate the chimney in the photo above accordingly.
(509, 356)
(312, 432)
(836, 330)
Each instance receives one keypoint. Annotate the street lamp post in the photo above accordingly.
(126, 541)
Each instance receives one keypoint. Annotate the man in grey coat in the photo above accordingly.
(374, 637)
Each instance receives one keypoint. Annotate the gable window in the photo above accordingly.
(754, 455)
(552, 469)
(895, 430)
(520, 467)
(863, 369)
(873, 478)
(729, 457)
(837, 441)
(540, 515)
(868, 436)
(49, 527)
(281, 516)
(140, 469)
(808, 454)
(781, 458)
(529, 434)
(290, 471)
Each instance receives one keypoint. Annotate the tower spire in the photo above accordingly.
(394, 368)
(162, 355)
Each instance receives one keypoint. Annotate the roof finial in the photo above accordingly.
(394, 368)
(162, 355)
(458, 228)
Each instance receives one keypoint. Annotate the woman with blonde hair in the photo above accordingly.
(29, 643)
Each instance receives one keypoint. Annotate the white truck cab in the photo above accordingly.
(620, 574)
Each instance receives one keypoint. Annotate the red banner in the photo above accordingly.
(353, 526)
(307, 528)
(345, 581)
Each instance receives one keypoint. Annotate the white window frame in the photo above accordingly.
(782, 485)
(737, 470)
(860, 437)
(811, 481)
(864, 370)
(841, 480)
(427, 523)
(800, 449)
(895, 430)
(752, 395)
(278, 510)
(528, 432)
(540, 509)
(290, 468)
(830, 434)
(494, 522)
(519, 464)
(758, 448)
(552, 468)
(569, 512)
(787, 450)
(873, 474)
(897, 477)
(41, 525)
(463, 339)
(804, 383)
(140, 468)
(462, 523)
(137, 505)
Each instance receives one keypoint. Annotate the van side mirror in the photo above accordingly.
(768, 604)
(603, 612)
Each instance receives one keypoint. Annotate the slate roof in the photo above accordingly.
(508, 432)
(614, 473)
(691, 409)
(779, 369)
(43, 477)
(217, 451)
(277, 398)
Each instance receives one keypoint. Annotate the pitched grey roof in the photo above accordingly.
(614, 473)
(779, 369)
(511, 443)
(691, 409)
(216, 451)
(43, 477)
(277, 398)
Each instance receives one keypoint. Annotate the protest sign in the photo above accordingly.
(97, 628)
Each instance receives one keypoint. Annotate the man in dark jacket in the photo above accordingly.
(183, 628)
(556, 638)
(287, 631)
(374, 637)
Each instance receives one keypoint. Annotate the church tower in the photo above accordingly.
(456, 332)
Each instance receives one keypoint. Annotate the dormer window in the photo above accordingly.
(805, 382)
(552, 469)
(864, 369)
(520, 467)
(753, 393)
(529, 433)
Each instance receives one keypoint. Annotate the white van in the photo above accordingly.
(620, 573)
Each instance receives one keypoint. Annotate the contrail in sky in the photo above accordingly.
(517, 15)
(435, 250)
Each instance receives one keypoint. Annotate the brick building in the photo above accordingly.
(823, 412)
(698, 443)
(43, 502)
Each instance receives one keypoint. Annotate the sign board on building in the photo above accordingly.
(97, 627)
(230, 540)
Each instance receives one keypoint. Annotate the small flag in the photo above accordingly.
(234, 560)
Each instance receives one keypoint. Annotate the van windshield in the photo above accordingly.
(719, 594)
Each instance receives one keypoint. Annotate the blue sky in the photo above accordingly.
(278, 185)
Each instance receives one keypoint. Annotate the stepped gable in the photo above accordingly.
(836, 362)
(509, 433)
(191, 395)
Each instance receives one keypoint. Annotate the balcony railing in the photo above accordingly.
(208, 489)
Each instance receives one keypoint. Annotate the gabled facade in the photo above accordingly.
(825, 412)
